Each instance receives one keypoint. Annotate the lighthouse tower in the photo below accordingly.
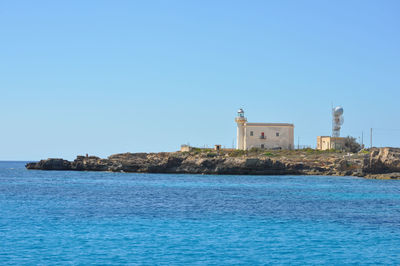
(240, 120)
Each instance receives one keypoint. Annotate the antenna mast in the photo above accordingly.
(337, 121)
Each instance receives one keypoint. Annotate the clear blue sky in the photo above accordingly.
(104, 77)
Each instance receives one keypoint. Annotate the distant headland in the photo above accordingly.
(262, 149)
(377, 163)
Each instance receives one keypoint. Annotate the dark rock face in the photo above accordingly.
(50, 164)
(378, 161)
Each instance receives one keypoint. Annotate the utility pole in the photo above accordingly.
(371, 137)
(298, 143)
(362, 139)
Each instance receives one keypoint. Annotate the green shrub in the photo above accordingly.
(255, 150)
(200, 150)
(351, 144)
(237, 153)
(311, 151)
(269, 154)
(332, 150)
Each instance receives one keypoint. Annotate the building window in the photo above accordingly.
(277, 134)
(251, 133)
(262, 146)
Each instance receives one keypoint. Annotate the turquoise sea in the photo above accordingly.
(50, 217)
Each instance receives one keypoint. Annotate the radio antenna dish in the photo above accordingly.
(337, 121)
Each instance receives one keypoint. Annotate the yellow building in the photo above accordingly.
(328, 143)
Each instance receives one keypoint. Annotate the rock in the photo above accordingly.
(377, 162)
(50, 164)
(383, 176)
(382, 160)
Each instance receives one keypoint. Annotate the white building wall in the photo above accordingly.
(285, 140)
(240, 136)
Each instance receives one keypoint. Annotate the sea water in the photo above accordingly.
(65, 217)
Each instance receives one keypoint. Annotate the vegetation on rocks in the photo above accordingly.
(371, 164)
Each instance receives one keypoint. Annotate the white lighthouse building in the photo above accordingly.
(263, 135)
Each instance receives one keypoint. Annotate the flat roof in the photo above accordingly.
(332, 138)
(269, 124)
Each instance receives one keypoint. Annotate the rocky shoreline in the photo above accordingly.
(378, 163)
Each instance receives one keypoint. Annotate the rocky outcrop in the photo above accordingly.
(383, 160)
(369, 164)
(50, 164)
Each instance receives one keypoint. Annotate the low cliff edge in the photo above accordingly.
(380, 163)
